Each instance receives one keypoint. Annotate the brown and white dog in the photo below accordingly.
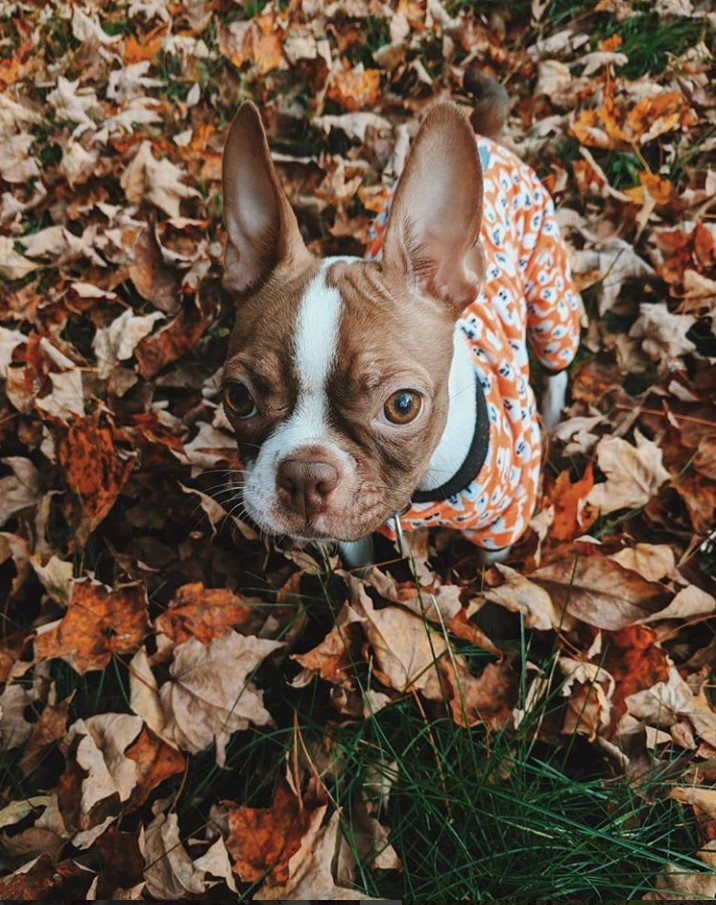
(349, 386)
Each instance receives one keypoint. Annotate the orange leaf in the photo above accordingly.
(265, 839)
(136, 51)
(653, 116)
(568, 500)
(610, 44)
(659, 188)
(156, 761)
(332, 658)
(355, 89)
(98, 623)
(203, 613)
(635, 662)
(92, 469)
(265, 43)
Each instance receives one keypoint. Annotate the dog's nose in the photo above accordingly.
(307, 483)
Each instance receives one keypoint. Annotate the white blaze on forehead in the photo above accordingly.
(315, 345)
(314, 351)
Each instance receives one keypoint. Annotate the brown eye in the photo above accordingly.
(402, 407)
(238, 400)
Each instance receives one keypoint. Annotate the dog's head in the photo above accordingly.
(336, 380)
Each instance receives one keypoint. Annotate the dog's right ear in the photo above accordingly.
(261, 226)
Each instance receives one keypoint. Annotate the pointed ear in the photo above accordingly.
(262, 228)
(434, 223)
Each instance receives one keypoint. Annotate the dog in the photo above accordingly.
(391, 392)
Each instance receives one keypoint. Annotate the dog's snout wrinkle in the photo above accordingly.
(307, 484)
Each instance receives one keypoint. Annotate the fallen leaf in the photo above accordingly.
(311, 868)
(520, 595)
(19, 490)
(668, 701)
(599, 591)
(93, 470)
(652, 561)
(634, 473)
(169, 871)
(206, 613)
(155, 761)
(662, 334)
(157, 181)
(688, 603)
(99, 623)
(572, 516)
(263, 840)
(209, 695)
(99, 775)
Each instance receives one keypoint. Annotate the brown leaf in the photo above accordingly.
(334, 657)
(92, 468)
(354, 89)
(599, 591)
(45, 876)
(699, 495)
(210, 695)
(171, 342)
(634, 473)
(155, 761)
(206, 613)
(48, 729)
(99, 623)
(311, 868)
(487, 698)
(120, 857)
(99, 776)
(153, 279)
(264, 839)
(635, 662)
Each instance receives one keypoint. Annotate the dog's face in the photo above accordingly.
(336, 380)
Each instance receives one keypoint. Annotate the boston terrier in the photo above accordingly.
(392, 391)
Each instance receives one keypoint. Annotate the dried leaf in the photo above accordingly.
(209, 695)
(264, 840)
(99, 623)
(599, 591)
(634, 473)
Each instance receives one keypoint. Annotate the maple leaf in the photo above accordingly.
(92, 470)
(634, 473)
(265, 839)
(159, 180)
(170, 872)
(99, 775)
(207, 613)
(99, 623)
(599, 591)
(310, 869)
(209, 695)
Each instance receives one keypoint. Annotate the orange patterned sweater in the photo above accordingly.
(527, 297)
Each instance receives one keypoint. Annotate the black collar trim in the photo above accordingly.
(474, 460)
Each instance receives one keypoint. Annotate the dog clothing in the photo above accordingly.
(527, 297)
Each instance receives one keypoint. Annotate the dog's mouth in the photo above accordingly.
(330, 526)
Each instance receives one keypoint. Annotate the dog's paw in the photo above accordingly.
(553, 399)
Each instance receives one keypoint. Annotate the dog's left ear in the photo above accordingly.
(262, 228)
(435, 219)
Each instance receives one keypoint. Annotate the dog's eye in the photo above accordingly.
(238, 400)
(402, 407)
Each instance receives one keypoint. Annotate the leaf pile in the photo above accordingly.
(144, 624)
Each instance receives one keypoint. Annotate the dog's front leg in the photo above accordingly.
(553, 398)
(357, 554)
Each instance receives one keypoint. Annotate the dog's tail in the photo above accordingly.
(492, 104)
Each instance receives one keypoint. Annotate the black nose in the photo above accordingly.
(306, 484)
